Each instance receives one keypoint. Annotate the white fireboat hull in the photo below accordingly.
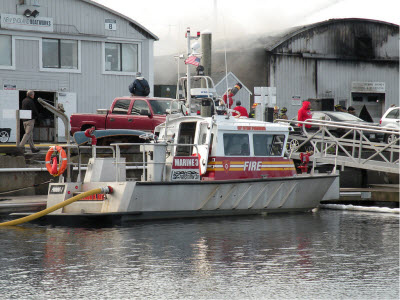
(134, 201)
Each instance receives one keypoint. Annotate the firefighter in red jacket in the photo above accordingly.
(242, 110)
(304, 113)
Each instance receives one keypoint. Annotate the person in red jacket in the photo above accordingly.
(304, 113)
(230, 95)
(242, 110)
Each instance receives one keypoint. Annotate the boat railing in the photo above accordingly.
(156, 160)
(72, 165)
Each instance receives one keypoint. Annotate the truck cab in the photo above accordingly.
(139, 113)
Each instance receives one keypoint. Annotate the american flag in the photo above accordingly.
(193, 60)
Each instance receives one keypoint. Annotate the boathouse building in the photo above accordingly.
(351, 62)
(72, 52)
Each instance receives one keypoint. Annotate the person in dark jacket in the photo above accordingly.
(351, 110)
(283, 113)
(29, 104)
(140, 87)
(304, 113)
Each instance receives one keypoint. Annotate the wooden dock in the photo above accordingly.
(385, 195)
(13, 204)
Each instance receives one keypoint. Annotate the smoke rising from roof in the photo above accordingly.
(232, 21)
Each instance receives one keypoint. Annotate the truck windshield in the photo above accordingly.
(160, 106)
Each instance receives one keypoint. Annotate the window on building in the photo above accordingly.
(121, 107)
(5, 50)
(236, 144)
(121, 57)
(60, 54)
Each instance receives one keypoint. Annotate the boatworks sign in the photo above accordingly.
(23, 23)
(185, 168)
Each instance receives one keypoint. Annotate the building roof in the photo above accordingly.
(278, 39)
(152, 35)
(236, 79)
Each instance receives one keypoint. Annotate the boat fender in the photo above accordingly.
(52, 168)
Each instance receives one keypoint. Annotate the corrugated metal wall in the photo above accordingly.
(324, 61)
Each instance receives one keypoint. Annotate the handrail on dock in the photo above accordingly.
(355, 149)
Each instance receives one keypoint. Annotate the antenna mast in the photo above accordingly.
(188, 94)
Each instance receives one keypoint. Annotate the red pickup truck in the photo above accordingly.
(140, 113)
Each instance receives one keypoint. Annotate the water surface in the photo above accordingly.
(324, 255)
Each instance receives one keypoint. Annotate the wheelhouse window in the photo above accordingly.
(121, 107)
(60, 54)
(203, 134)
(121, 57)
(5, 50)
(236, 144)
(268, 144)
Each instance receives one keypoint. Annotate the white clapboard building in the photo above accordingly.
(74, 52)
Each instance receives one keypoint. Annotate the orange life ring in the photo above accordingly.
(64, 161)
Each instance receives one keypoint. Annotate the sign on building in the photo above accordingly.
(21, 22)
(367, 87)
(111, 24)
(296, 100)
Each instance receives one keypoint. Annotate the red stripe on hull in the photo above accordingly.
(227, 168)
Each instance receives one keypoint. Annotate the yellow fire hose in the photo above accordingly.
(106, 190)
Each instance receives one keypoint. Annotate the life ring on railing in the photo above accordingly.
(237, 114)
(52, 167)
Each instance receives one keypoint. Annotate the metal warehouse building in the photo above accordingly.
(74, 52)
(351, 62)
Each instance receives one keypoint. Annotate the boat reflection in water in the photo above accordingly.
(329, 254)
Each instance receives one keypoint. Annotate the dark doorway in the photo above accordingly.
(44, 130)
(324, 104)
(374, 103)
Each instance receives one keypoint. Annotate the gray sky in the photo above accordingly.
(230, 18)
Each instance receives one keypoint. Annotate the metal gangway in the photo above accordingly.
(345, 144)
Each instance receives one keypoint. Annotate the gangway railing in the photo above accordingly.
(356, 148)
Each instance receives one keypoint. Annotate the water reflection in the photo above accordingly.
(330, 255)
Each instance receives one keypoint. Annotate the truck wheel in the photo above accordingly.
(4, 136)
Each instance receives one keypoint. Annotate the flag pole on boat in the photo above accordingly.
(188, 94)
